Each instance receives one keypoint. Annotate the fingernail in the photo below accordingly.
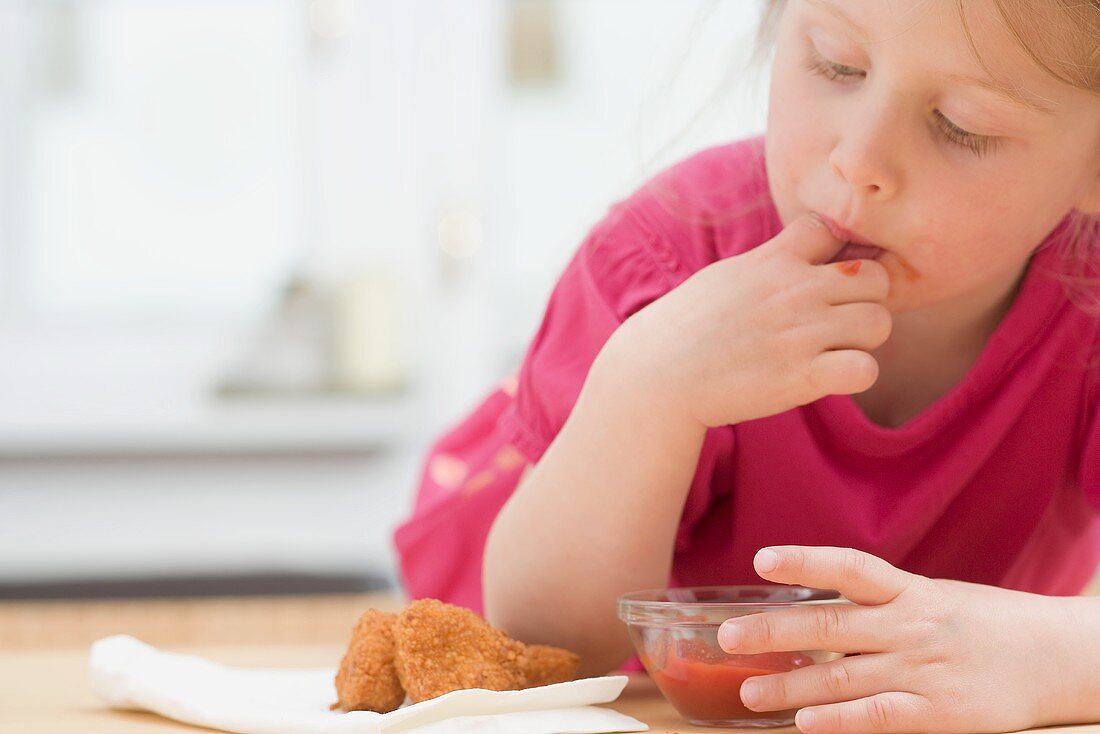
(729, 636)
(804, 720)
(767, 560)
(750, 693)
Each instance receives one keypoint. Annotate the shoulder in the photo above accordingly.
(712, 205)
(713, 181)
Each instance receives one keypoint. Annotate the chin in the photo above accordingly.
(904, 297)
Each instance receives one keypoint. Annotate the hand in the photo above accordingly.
(760, 333)
(935, 655)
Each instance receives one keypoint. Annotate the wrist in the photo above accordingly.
(626, 375)
(1072, 694)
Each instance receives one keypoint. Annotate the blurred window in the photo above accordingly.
(153, 160)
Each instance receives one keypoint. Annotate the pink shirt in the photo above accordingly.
(997, 482)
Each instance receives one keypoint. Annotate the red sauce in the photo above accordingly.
(709, 689)
(911, 273)
(850, 267)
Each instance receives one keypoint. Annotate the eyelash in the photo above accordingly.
(979, 145)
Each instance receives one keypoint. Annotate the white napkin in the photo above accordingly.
(127, 673)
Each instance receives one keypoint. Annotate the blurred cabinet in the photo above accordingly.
(312, 488)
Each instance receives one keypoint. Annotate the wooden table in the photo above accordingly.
(44, 654)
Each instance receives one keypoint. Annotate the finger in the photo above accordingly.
(860, 577)
(883, 713)
(863, 326)
(840, 680)
(808, 238)
(852, 281)
(838, 627)
(842, 372)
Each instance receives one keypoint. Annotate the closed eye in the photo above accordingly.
(818, 64)
(979, 145)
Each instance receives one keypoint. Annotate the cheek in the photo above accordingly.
(784, 176)
(955, 216)
(980, 230)
(792, 108)
(790, 145)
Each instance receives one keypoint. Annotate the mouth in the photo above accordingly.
(857, 251)
(855, 247)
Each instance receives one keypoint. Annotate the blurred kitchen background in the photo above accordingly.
(256, 254)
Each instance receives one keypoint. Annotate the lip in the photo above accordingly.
(847, 235)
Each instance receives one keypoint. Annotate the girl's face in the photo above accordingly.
(882, 119)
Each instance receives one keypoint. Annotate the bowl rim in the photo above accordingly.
(637, 600)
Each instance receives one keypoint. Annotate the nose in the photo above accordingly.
(866, 155)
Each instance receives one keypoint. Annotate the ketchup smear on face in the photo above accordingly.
(706, 688)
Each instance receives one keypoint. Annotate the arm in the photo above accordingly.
(743, 338)
(597, 517)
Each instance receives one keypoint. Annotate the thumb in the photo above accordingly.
(808, 238)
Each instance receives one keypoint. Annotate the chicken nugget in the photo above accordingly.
(546, 665)
(443, 648)
(367, 679)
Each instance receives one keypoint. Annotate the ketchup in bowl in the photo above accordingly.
(710, 691)
(675, 632)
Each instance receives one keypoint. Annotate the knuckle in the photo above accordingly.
(937, 646)
(853, 567)
(794, 559)
(793, 295)
(880, 712)
(763, 630)
(933, 617)
(830, 623)
(813, 222)
(954, 700)
(931, 621)
(882, 322)
(838, 681)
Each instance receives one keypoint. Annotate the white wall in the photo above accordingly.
(400, 121)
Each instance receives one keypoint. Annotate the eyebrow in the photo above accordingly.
(1008, 93)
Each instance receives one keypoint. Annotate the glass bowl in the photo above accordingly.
(675, 632)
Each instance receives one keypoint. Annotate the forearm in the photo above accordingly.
(597, 517)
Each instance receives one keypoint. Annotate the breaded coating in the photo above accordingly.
(367, 679)
(433, 648)
(443, 648)
(546, 665)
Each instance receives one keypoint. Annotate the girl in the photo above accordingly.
(865, 341)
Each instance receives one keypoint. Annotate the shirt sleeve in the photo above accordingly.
(616, 272)
(474, 468)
